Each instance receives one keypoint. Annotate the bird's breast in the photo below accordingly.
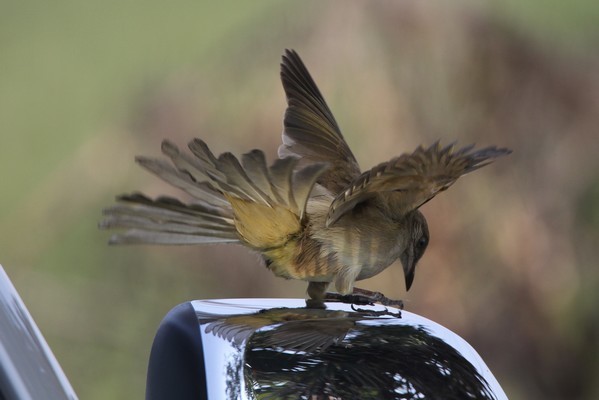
(302, 258)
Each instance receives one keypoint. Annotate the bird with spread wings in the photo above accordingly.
(312, 215)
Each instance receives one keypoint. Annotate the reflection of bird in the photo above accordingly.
(293, 329)
(291, 353)
(312, 215)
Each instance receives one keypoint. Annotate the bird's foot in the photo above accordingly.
(364, 297)
(377, 313)
(378, 297)
(349, 298)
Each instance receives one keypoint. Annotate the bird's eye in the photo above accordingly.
(423, 242)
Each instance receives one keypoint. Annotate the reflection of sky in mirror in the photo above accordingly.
(219, 354)
(224, 363)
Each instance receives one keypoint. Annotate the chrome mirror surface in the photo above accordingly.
(279, 349)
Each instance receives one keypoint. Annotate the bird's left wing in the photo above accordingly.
(310, 130)
(413, 178)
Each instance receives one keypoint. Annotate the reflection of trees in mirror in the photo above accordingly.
(233, 375)
(322, 354)
(387, 361)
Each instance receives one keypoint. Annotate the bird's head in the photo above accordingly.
(417, 241)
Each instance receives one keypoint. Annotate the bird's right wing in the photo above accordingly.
(413, 178)
(310, 130)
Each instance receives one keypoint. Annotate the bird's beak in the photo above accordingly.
(409, 267)
(409, 279)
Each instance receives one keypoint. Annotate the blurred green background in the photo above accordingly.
(512, 265)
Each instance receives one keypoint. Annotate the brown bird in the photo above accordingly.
(313, 215)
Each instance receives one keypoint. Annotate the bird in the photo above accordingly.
(312, 214)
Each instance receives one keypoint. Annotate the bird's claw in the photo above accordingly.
(377, 313)
(364, 298)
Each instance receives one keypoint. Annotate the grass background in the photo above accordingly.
(85, 86)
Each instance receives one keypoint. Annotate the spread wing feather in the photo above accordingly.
(228, 197)
(254, 163)
(202, 191)
(310, 130)
(415, 178)
(167, 221)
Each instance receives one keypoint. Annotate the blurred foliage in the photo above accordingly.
(512, 264)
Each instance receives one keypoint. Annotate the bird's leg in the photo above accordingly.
(317, 293)
(363, 297)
